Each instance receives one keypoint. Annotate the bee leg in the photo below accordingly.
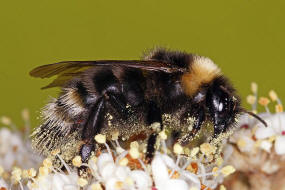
(200, 118)
(85, 153)
(151, 147)
(117, 101)
(94, 121)
(154, 115)
(91, 128)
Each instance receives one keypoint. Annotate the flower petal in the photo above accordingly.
(122, 172)
(280, 145)
(175, 184)
(103, 159)
(264, 132)
(141, 179)
(275, 124)
(159, 170)
(107, 170)
(265, 145)
(192, 177)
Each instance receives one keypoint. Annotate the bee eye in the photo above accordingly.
(220, 108)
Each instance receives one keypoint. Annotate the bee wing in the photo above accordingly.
(61, 80)
(46, 71)
(68, 69)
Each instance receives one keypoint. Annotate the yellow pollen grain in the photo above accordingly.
(254, 87)
(254, 129)
(263, 101)
(96, 186)
(190, 168)
(76, 161)
(32, 172)
(163, 135)
(124, 162)
(273, 95)
(5, 120)
(215, 171)
(82, 182)
(257, 143)
(115, 135)
(156, 126)
(219, 161)
(25, 114)
(177, 149)
(207, 149)
(175, 175)
(119, 185)
(47, 163)
(129, 181)
(43, 171)
(25, 174)
(134, 144)
(134, 153)
(236, 119)
(187, 151)
(94, 159)
(222, 187)
(194, 151)
(16, 174)
(100, 138)
(251, 99)
(278, 108)
(272, 139)
(34, 185)
(119, 150)
(241, 143)
(227, 170)
(55, 152)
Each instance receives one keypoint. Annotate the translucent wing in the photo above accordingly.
(68, 69)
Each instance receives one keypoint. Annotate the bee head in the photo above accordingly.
(223, 105)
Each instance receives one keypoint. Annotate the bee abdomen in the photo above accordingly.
(62, 117)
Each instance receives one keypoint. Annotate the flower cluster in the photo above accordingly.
(15, 150)
(115, 168)
(258, 152)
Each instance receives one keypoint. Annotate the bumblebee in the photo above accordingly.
(128, 96)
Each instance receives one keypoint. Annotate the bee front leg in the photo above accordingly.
(199, 115)
(154, 115)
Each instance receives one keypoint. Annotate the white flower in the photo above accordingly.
(174, 184)
(280, 145)
(276, 128)
(159, 171)
(116, 177)
(14, 151)
(141, 179)
(161, 164)
(55, 181)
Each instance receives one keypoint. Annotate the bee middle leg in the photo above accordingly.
(153, 115)
(91, 128)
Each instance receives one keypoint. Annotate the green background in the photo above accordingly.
(246, 38)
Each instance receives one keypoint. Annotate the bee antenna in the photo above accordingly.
(254, 115)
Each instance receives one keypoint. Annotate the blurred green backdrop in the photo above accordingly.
(246, 38)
